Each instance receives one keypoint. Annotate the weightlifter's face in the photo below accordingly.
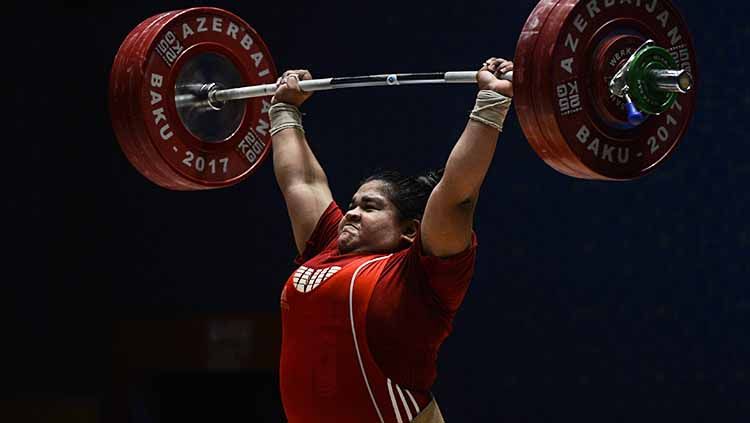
(372, 222)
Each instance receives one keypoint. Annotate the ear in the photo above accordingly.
(409, 230)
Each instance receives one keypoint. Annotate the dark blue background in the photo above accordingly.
(592, 301)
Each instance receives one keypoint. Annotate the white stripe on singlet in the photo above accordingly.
(403, 401)
(310, 284)
(319, 279)
(354, 333)
(393, 401)
(416, 407)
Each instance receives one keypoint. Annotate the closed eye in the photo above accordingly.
(367, 204)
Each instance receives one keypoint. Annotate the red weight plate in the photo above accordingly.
(574, 39)
(118, 99)
(124, 80)
(175, 158)
(121, 96)
(154, 167)
(525, 64)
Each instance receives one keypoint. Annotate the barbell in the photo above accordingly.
(603, 89)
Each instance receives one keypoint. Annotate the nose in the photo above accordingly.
(353, 215)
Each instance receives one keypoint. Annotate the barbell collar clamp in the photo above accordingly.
(635, 116)
(677, 81)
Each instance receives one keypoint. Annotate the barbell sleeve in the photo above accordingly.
(674, 81)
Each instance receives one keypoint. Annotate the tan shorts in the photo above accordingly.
(430, 414)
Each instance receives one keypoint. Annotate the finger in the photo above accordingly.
(293, 81)
(503, 65)
(300, 74)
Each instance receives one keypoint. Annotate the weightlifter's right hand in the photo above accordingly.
(288, 89)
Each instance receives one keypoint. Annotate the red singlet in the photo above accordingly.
(361, 332)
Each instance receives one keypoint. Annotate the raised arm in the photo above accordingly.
(448, 218)
(298, 173)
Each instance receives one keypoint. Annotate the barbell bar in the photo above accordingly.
(214, 97)
(177, 78)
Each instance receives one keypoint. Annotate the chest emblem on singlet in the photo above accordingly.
(306, 279)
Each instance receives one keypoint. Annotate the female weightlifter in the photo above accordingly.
(379, 283)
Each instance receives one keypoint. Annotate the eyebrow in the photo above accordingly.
(369, 199)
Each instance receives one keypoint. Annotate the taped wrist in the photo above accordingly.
(285, 116)
(490, 109)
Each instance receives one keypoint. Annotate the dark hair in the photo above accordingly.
(408, 193)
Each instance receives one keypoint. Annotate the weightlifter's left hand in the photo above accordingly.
(488, 77)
